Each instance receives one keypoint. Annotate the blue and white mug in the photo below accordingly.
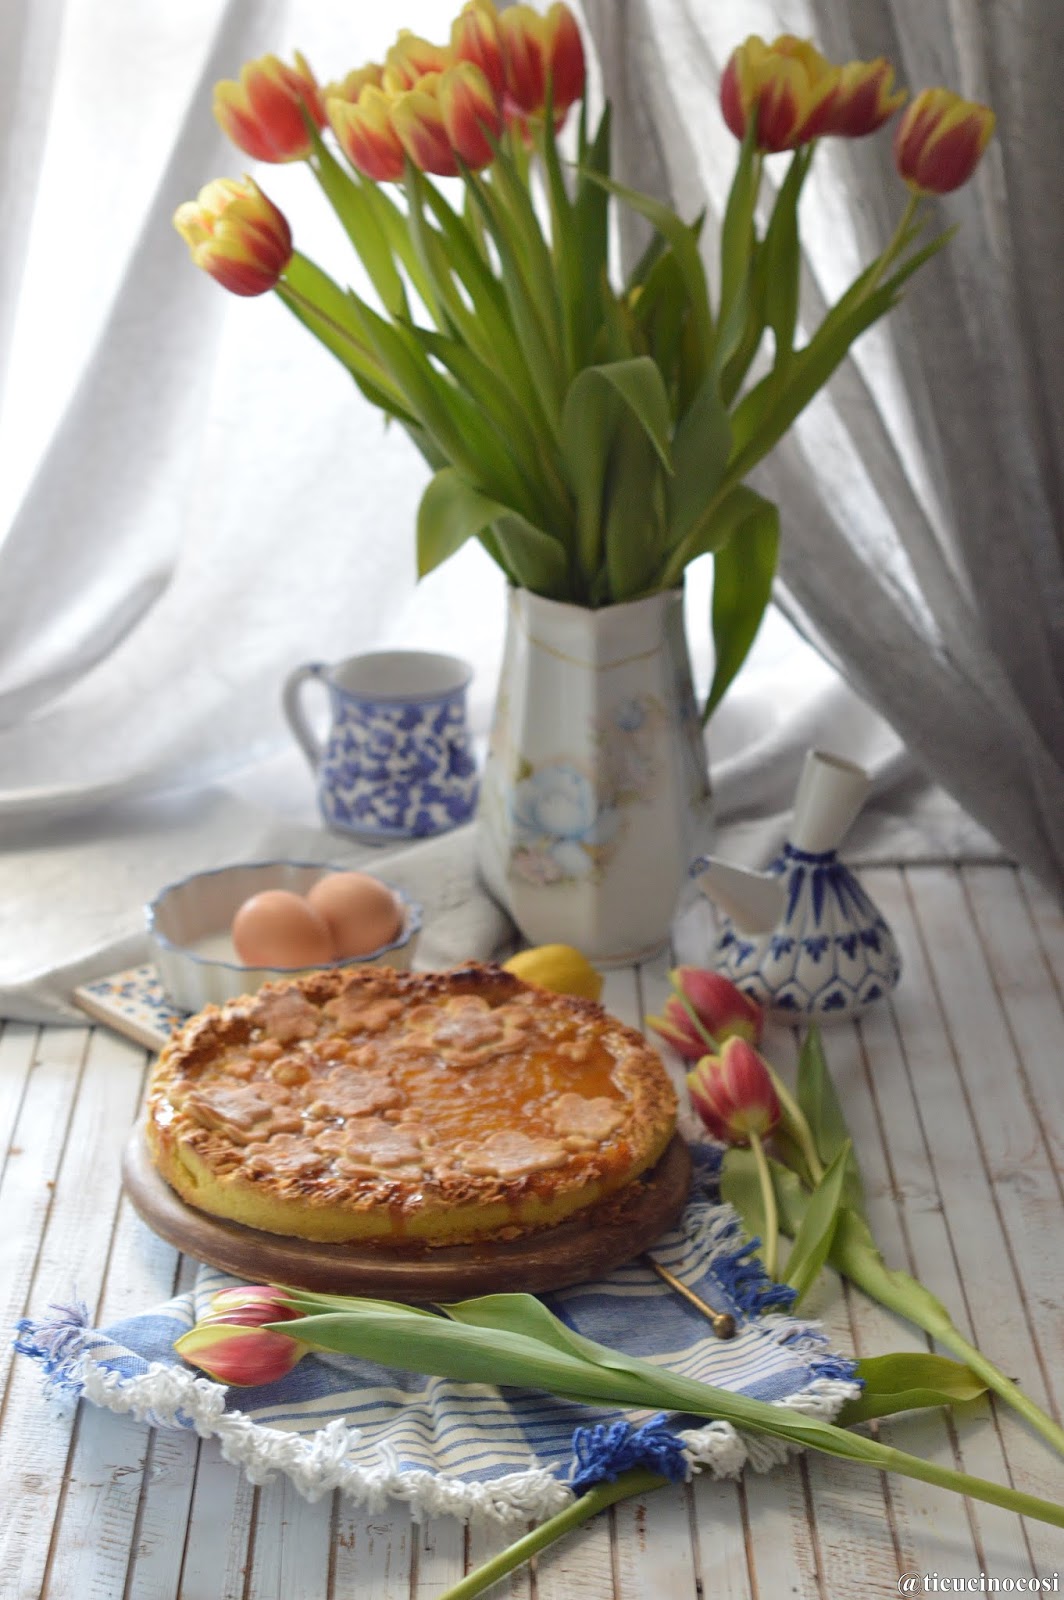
(397, 762)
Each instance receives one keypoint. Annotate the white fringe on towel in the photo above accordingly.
(321, 1463)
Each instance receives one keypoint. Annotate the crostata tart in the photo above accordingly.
(438, 1108)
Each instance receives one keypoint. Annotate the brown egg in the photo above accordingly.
(279, 929)
(362, 913)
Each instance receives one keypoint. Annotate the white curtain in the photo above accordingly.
(194, 498)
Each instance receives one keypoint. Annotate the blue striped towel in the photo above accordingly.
(471, 1449)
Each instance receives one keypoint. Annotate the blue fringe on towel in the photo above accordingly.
(602, 1453)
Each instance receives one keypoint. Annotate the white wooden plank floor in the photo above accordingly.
(955, 1095)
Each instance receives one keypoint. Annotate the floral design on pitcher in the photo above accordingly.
(566, 825)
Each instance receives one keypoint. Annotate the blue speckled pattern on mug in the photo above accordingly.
(397, 769)
(832, 952)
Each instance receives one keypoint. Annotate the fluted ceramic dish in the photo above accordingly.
(189, 922)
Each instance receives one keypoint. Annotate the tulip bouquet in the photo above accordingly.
(595, 433)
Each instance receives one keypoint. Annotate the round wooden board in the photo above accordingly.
(573, 1252)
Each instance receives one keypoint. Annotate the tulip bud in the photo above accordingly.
(238, 1354)
(789, 85)
(722, 1009)
(417, 118)
(565, 59)
(475, 38)
(524, 39)
(864, 98)
(733, 1093)
(940, 140)
(263, 113)
(409, 59)
(366, 134)
(471, 114)
(349, 88)
(237, 235)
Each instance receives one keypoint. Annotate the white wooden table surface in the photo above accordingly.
(955, 1095)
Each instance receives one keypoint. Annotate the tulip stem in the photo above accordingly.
(768, 1200)
(638, 1480)
(798, 1125)
(900, 235)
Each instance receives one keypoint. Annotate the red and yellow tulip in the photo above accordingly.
(523, 36)
(788, 84)
(475, 38)
(940, 140)
(367, 135)
(231, 1345)
(721, 1010)
(409, 59)
(565, 58)
(417, 118)
(237, 235)
(519, 50)
(351, 86)
(864, 99)
(472, 117)
(263, 112)
(733, 1093)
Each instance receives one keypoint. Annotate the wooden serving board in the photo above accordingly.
(573, 1252)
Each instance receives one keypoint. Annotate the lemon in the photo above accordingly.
(559, 968)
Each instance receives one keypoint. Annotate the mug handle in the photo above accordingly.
(292, 703)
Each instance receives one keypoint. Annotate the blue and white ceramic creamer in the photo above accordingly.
(397, 762)
(804, 939)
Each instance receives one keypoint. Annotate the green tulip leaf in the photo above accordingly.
(781, 257)
(737, 250)
(360, 220)
(700, 449)
(535, 317)
(792, 1198)
(817, 1229)
(639, 384)
(529, 484)
(634, 502)
(820, 1103)
(739, 1187)
(744, 566)
(452, 511)
(905, 1381)
(590, 419)
(660, 312)
(856, 1255)
(684, 242)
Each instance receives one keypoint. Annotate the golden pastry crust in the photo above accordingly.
(436, 1108)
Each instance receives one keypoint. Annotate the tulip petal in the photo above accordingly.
(240, 1355)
